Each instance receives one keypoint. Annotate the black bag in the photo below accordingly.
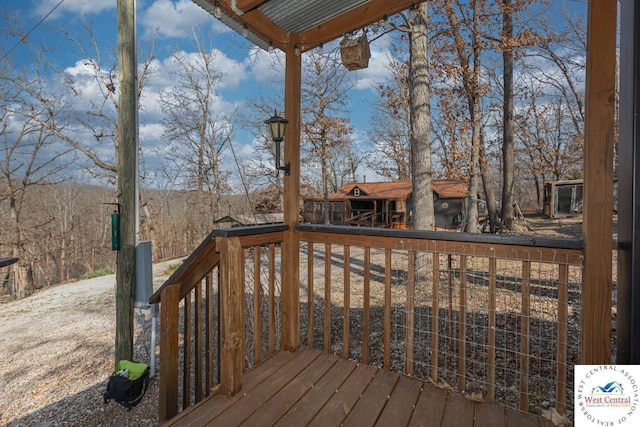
(128, 384)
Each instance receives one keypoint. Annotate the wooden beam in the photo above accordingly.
(364, 15)
(357, 18)
(247, 5)
(256, 22)
(598, 181)
(291, 197)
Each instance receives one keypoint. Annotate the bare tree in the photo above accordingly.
(30, 157)
(551, 149)
(196, 125)
(468, 55)
(508, 143)
(86, 123)
(326, 130)
(420, 118)
(389, 130)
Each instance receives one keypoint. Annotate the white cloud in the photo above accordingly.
(177, 19)
(87, 86)
(376, 72)
(150, 133)
(266, 68)
(83, 7)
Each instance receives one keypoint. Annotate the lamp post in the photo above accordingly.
(277, 126)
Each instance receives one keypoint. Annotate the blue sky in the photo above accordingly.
(246, 69)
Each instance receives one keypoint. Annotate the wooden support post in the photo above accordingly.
(598, 182)
(232, 314)
(291, 196)
(169, 320)
(126, 175)
(628, 196)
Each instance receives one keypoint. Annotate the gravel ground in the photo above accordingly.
(57, 354)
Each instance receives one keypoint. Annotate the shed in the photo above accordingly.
(238, 220)
(565, 197)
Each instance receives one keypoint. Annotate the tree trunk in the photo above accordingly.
(474, 106)
(420, 120)
(23, 284)
(325, 187)
(489, 190)
(508, 166)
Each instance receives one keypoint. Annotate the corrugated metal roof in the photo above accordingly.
(283, 24)
(300, 15)
(233, 24)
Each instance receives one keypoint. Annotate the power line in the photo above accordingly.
(26, 36)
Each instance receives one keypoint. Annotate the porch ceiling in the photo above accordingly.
(306, 23)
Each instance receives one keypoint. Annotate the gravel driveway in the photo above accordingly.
(56, 349)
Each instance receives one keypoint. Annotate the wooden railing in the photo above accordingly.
(203, 320)
(495, 317)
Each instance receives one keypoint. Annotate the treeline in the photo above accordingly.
(65, 230)
(500, 106)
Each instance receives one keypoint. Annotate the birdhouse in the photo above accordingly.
(355, 52)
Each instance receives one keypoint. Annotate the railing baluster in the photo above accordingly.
(411, 291)
(210, 336)
(435, 311)
(347, 301)
(367, 293)
(310, 295)
(327, 297)
(272, 298)
(257, 305)
(525, 324)
(169, 320)
(462, 331)
(561, 358)
(186, 372)
(491, 332)
(387, 309)
(450, 303)
(197, 351)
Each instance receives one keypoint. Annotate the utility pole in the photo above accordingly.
(127, 152)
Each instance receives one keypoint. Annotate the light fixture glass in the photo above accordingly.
(270, 48)
(245, 31)
(277, 126)
(296, 50)
(217, 12)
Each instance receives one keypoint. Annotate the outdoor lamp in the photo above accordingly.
(277, 125)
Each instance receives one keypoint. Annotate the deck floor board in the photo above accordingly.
(309, 388)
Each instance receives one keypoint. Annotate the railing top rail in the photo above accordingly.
(533, 241)
(250, 230)
(201, 260)
(4, 262)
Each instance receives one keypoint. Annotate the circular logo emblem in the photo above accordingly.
(607, 395)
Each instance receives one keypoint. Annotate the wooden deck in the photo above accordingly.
(309, 387)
